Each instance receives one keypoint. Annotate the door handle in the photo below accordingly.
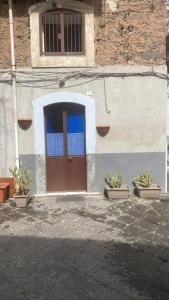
(70, 158)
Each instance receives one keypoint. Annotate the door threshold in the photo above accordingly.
(67, 194)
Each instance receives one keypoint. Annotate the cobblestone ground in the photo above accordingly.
(85, 248)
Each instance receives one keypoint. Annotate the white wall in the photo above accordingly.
(137, 107)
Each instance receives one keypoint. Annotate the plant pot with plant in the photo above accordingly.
(145, 188)
(115, 189)
(22, 179)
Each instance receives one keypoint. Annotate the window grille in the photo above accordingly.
(62, 33)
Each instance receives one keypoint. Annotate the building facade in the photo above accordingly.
(91, 91)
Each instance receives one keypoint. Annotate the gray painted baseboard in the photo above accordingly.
(29, 162)
(128, 164)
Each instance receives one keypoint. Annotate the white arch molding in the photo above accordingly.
(60, 97)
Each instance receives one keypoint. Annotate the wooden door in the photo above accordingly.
(65, 147)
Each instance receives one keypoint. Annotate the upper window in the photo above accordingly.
(62, 33)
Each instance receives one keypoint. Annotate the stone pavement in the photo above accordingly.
(77, 248)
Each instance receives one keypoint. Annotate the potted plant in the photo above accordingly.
(145, 188)
(22, 179)
(115, 189)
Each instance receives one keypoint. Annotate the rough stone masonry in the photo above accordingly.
(126, 32)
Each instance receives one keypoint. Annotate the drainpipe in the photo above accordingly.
(13, 65)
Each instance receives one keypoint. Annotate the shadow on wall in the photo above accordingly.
(39, 268)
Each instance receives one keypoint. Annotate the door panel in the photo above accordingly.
(76, 173)
(76, 151)
(55, 160)
(56, 170)
(65, 147)
(75, 134)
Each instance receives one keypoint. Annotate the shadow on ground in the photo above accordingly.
(39, 268)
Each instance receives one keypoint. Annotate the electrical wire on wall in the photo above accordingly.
(105, 96)
(37, 79)
(59, 80)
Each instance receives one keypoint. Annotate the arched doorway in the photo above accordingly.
(39, 105)
(65, 147)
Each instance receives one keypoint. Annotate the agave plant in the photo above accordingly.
(114, 181)
(144, 180)
(22, 179)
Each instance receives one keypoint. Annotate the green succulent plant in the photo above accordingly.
(145, 180)
(22, 179)
(114, 181)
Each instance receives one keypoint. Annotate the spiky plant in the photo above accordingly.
(144, 180)
(22, 179)
(114, 181)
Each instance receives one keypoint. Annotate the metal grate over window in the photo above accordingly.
(62, 33)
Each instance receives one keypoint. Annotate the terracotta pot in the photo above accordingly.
(24, 123)
(4, 191)
(118, 193)
(153, 192)
(21, 201)
(103, 130)
(10, 181)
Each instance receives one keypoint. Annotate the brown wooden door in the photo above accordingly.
(65, 147)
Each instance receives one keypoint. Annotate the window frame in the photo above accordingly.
(62, 61)
(62, 53)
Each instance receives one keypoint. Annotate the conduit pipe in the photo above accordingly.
(13, 66)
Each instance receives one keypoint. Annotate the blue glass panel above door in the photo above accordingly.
(75, 123)
(49, 127)
(55, 144)
(54, 133)
(54, 122)
(75, 134)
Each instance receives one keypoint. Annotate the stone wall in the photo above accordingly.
(132, 32)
